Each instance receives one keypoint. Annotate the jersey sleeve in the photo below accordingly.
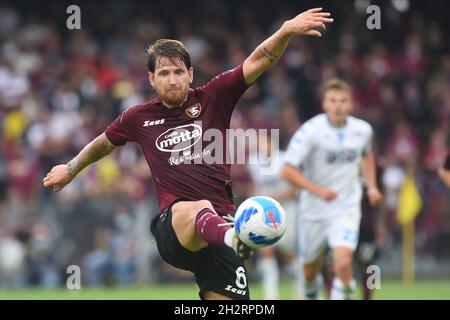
(368, 145)
(120, 131)
(301, 144)
(227, 88)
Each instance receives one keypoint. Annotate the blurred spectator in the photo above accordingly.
(12, 262)
(122, 247)
(97, 261)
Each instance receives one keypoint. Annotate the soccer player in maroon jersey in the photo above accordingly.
(190, 231)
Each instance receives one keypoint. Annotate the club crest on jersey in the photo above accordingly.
(194, 111)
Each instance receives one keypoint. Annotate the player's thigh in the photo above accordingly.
(343, 230)
(311, 268)
(312, 240)
(183, 222)
(221, 273)
(343, 235)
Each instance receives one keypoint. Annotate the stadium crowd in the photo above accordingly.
(60, 88)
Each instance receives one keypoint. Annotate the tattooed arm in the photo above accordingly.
(62, 174)
(270, 51)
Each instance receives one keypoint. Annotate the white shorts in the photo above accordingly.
(340, 231)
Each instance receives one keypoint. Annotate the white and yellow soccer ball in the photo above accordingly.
(260, 221)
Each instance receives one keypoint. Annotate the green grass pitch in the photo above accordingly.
(433, 290)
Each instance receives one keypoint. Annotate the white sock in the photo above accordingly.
(229, 235)
(339, 291)
(270, 277)
(311, 288)
(320, 286)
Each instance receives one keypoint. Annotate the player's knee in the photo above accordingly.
(343, 264)
(267, 252)
(309, 272)
(187, 211)
(200, 205)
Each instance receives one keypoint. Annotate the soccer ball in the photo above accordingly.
(260, 221)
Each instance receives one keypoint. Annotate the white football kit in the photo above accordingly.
(329, 157)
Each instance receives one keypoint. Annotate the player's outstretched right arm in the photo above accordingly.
(270, 50)
(62, 174)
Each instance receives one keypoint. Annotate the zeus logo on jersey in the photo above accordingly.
(148, 123)
(341, 156)
(179, 138)
(235, 290)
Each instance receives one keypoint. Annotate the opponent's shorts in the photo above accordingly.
(342, 230)
(216, 268)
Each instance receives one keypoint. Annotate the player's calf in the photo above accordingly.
(344, 285)
(312, 283)
(343, 264)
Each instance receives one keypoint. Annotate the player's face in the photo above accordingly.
(337, 104)
(171, 80)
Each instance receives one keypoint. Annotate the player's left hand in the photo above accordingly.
(308, 22)
(375, 196)
(57, 178)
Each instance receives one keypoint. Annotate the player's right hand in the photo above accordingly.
(309, 23)
(57, 178)
(327, 194)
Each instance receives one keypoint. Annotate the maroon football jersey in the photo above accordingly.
(172, 139)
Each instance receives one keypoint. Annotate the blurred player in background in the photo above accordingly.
(191, 232)
(444, 171)
(274, 186)
(324, 158)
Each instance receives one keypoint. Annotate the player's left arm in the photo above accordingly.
(271, 50)
(284, 195)
(280, 196)
(369, 172)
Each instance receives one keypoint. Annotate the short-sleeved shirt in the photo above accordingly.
(174, 140)
(330, 157)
